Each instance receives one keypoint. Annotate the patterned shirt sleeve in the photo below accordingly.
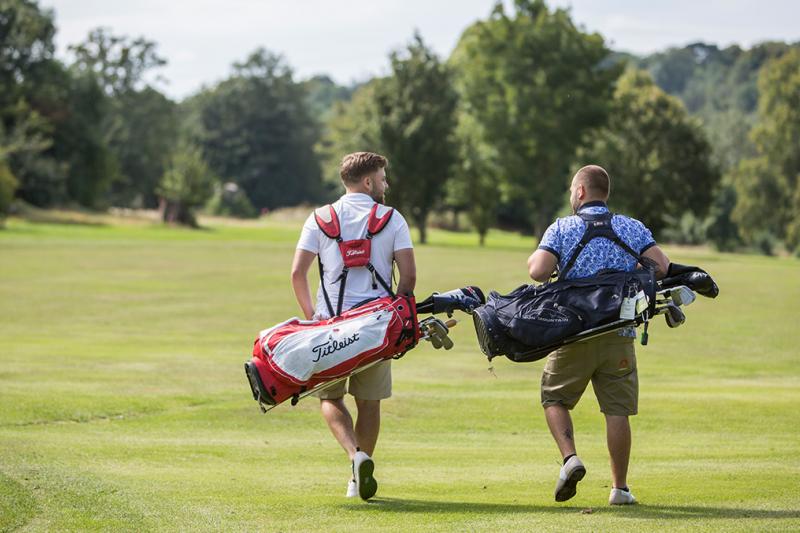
(551, 241)
(644, 238)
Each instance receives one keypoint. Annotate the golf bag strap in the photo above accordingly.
(342, 282)
(596, 226)
(375, 224)
(328, 222)
(322, 284)
(380, 280)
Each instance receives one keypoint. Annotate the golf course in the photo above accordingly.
(124, 405)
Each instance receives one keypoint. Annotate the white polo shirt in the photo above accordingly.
(353, 212)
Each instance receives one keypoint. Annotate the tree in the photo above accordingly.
(416, 120)
(768, 185)
(474, 187)
(8, 185)
(186, 185)
(26, 49)
(537, 85)
(352, 127)
(139, 124)
(119, 63)
(658, 157)
(255, 130)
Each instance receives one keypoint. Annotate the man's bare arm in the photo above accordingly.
(661, 260)
(408, 271)
(300, 265)
(541, 265)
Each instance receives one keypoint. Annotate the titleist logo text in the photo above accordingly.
(355, 252)
(332, 345)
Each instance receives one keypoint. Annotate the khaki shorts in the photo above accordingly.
(374, 383)
(609, 361)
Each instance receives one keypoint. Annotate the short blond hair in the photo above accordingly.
(359, 164)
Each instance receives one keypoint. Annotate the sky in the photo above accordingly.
(349, 40)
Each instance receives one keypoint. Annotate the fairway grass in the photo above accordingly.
(124, 406)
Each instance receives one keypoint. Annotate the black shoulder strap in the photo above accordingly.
(597, 225)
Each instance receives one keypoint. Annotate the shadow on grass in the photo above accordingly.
(660, 512)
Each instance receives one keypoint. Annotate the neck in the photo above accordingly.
(592, 202)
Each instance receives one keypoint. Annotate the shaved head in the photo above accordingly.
(596, 181)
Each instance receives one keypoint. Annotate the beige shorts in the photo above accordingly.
(609, 361)
(374, 383)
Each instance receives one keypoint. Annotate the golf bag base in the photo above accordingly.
(260, 393)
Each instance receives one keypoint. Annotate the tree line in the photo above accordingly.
(700, 142)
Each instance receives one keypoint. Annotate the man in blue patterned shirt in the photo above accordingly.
(609, 360)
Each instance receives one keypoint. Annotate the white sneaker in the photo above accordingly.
(572, 472)
(621, 497)
(352, 490)
(363, 467)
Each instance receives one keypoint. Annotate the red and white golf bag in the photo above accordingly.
(298, 356)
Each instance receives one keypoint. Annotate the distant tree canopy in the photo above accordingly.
(536, 84)
(257, 131)
(703, 148)
(768, 185)
(657, 156)
(410, 118)
(416, 122)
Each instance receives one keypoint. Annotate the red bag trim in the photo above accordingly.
(376, 224)
(331, 227)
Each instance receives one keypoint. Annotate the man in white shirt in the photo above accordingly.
(364, 177)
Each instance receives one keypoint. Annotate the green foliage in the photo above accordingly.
(257, 132)
(410, 118)
(138, 124)
(657, 156)
(353, 127)
(416, 119)
(143, 131)
(721, 230)
(686, 229)
(119, 63)
(187, 184)
(767, 185)
(229, 200)
(474, 188)
(719, 86)
(537, 85)
(8, 185)
(321, 95)
(26, 55)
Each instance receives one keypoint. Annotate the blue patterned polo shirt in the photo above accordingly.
(563, 236)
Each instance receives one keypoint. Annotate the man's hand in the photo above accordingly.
(300, 265)
(408, 271)
(541, 265)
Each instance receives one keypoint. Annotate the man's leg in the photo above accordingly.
(340, 423)
(618, 435)
(560, 423)
(368, 424)
(564, 379)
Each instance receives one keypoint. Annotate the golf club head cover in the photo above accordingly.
(693, 277)
(464, 299)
